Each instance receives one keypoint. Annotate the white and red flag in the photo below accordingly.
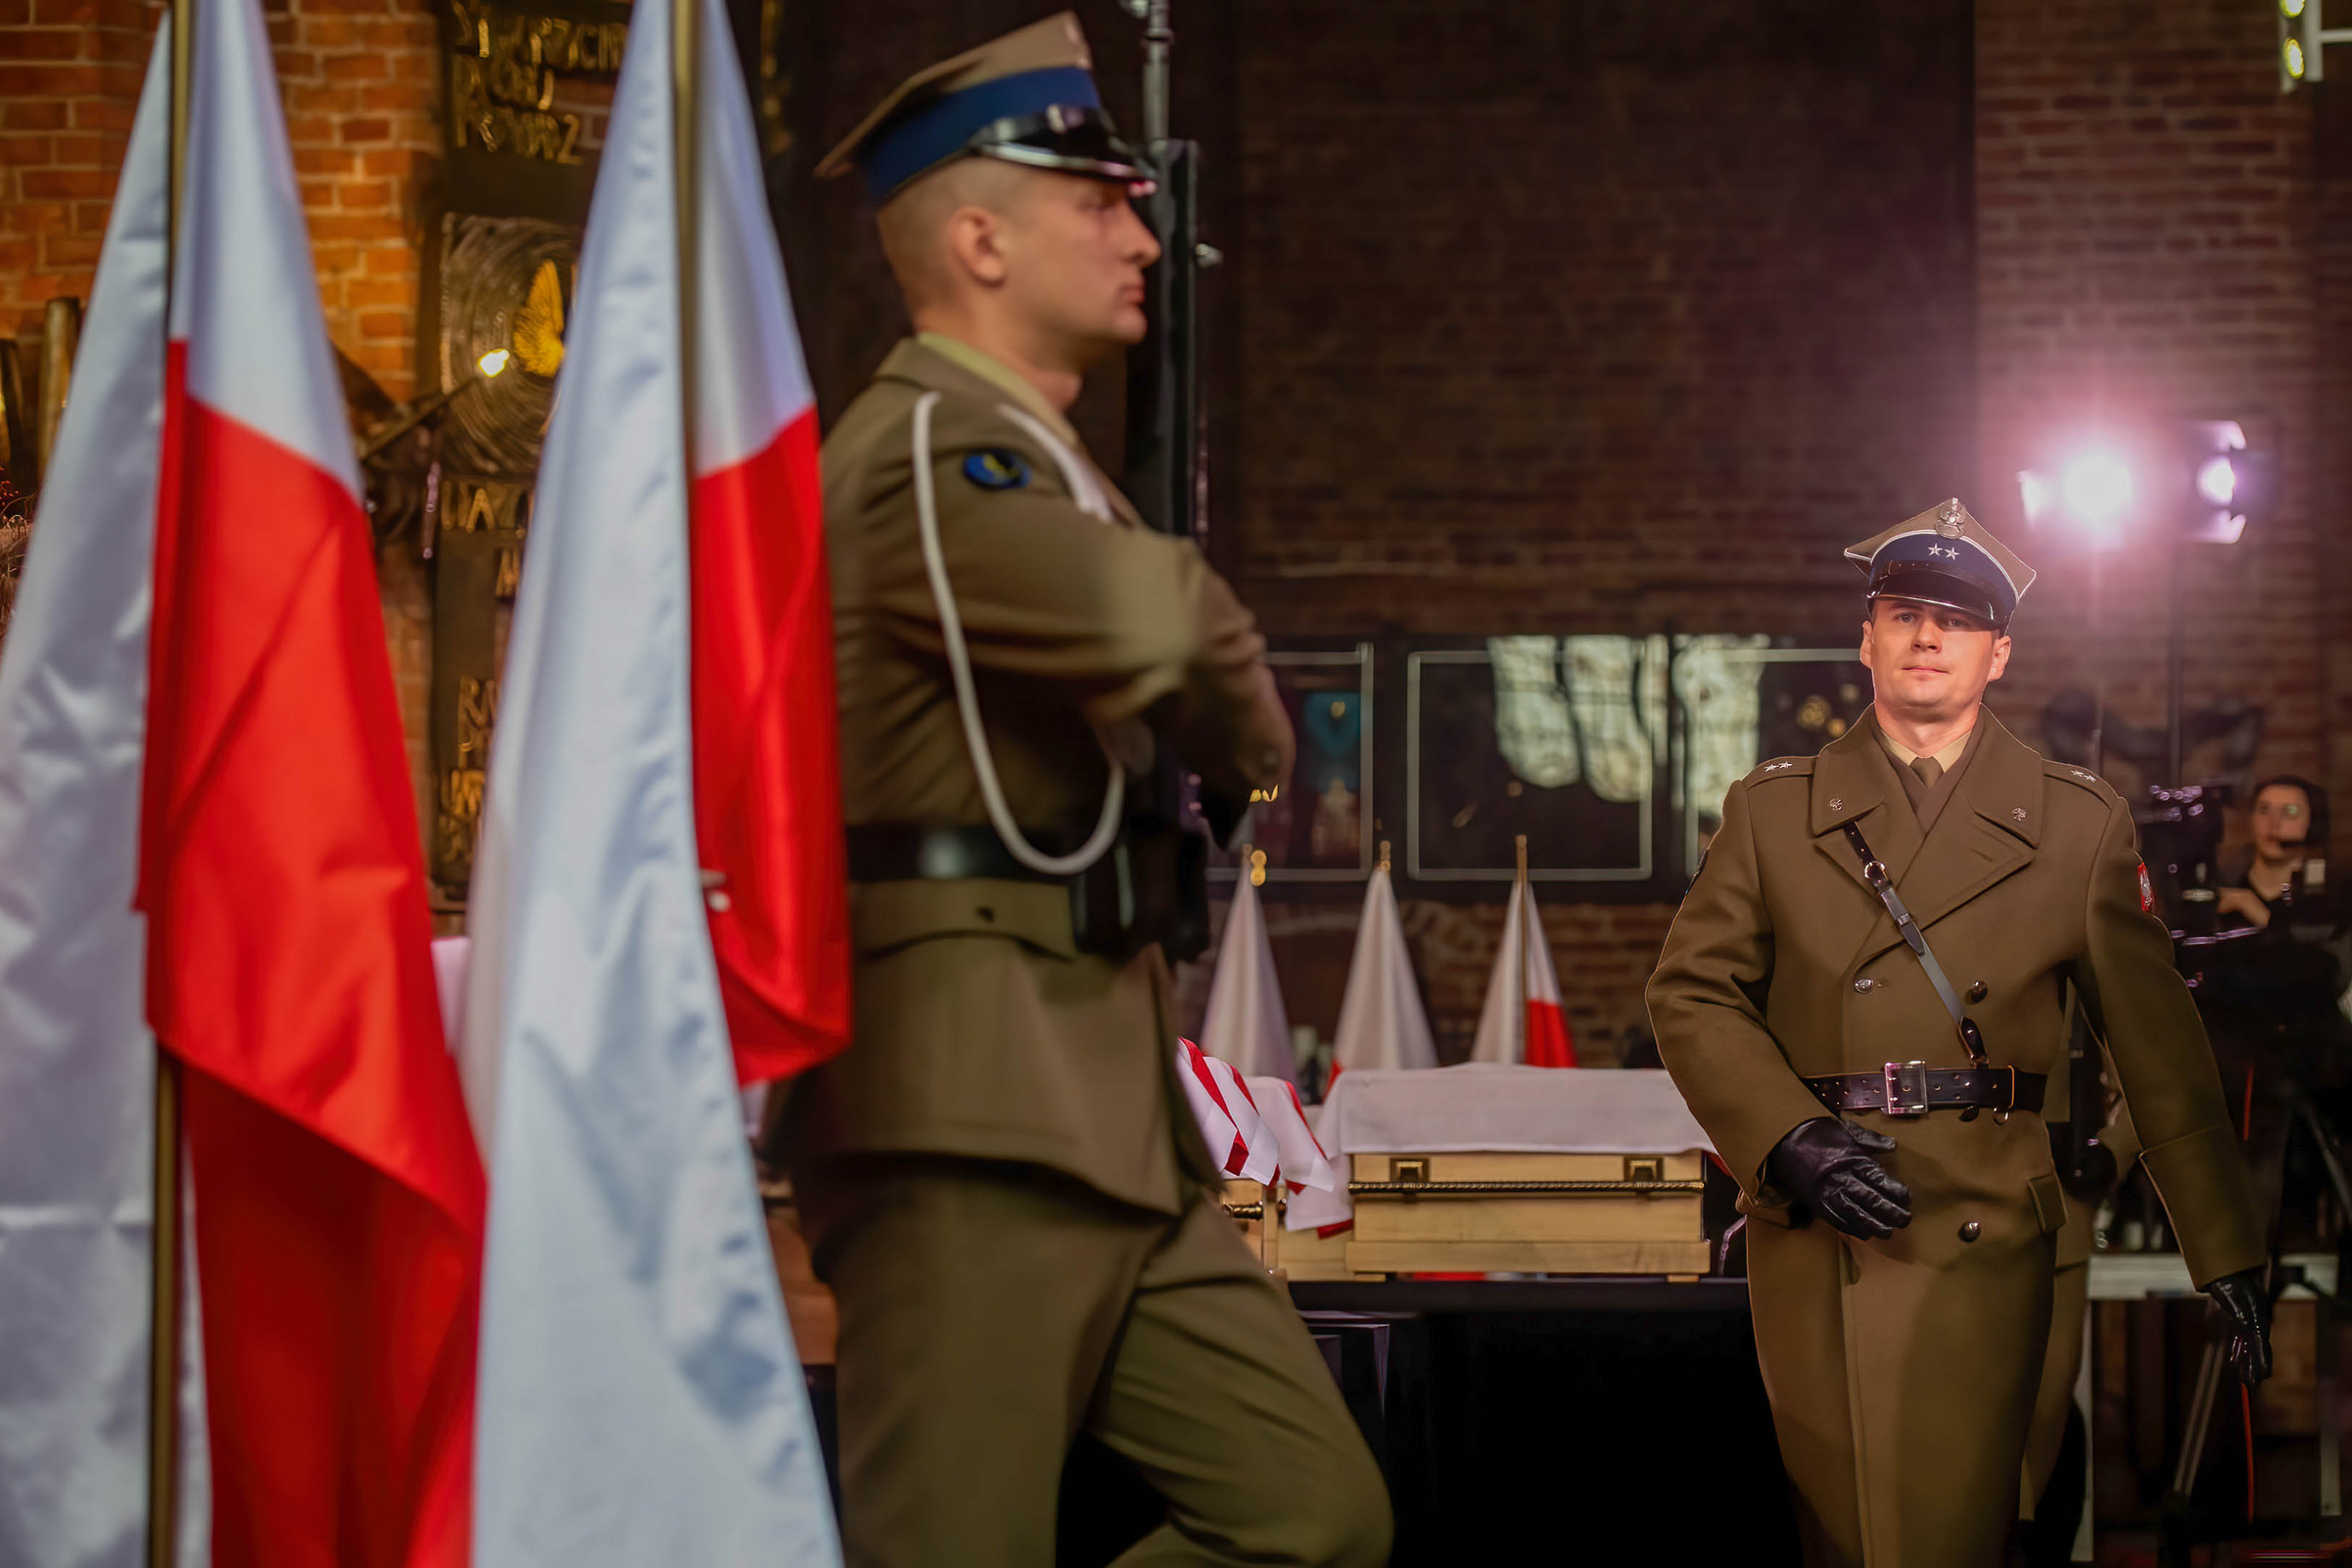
(1223, 1105)
(641, 1402)
(77, 1061)
(767, 774)
(1522, 1021)
(1244, 1023)
(338, 1196)
(1381, 1020)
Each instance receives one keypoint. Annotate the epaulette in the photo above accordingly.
(1783, 768)
(2082, 779)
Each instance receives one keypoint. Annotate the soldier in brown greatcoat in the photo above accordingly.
(1894, 1159)
(1000, 1184)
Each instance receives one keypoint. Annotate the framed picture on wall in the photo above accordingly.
(1745, 699)
(1561, 739)
(1319, 824)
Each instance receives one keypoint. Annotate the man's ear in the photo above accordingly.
(1865, 641)
(975, 244)
(1999, 656)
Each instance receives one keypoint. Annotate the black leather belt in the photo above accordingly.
(1914, 1089)
(892, 852)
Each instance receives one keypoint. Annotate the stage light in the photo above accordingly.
(2290, 9)
(2290, 59)
(491, 363)
(2097, 487)
(2216, 480)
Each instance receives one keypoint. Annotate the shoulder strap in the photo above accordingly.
(1873, 872)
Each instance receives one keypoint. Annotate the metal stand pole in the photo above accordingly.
(2174, 637)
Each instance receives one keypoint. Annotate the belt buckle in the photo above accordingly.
(1906, 1089)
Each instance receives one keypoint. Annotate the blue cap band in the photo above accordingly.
(937, 133)
(1961, 558)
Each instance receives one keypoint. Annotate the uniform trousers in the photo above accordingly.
(991, 1313)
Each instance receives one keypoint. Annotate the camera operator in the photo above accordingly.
(2290, 826)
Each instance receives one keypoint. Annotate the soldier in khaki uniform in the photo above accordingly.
(998, 1180)
(1901, 1270)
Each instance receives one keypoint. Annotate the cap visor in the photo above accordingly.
(1941, 590)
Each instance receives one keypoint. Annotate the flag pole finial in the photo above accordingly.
(1385, 855)
(1256, 858)
(1520, 842)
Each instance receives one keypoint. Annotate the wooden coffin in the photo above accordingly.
(1295, 1254)
(1528, 1213)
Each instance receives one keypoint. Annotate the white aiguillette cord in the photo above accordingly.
(984, 763)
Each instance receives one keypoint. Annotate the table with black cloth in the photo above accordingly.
(1601, 1420)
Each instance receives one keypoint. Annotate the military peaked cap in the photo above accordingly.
(1944, 556)
(1027, 97)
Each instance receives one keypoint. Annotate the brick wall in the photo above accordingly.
(359, 81)
(69, 75)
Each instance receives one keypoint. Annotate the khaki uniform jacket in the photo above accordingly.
(1902, 1371)
(981, 1030)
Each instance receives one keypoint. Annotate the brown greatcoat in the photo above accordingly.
(1902, 1373)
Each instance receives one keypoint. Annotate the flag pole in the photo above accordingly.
(686, 42)
(1519, 902)
(163, 1229)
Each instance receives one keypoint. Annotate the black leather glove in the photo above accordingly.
(1828, 1164)
(2246, 1310)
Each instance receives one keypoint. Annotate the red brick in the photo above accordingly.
(34, 43)
(363, 196)
(364, 291)
(369, 129)
(354, 68)
(401, 98)
(61, 251)
(64, 184)
(102, 114)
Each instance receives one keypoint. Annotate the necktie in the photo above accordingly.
(1929, 769)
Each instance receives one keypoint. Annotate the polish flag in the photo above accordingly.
(641, 1400)
(338, 1196)
(1245, 1024)
(1222, 1104)
(77, 1061)
(1381, 1021)
(767, 777)
(1304, 1164)
(1522, 1021)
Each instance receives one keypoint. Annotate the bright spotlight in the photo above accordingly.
(2292, 57)
(491, 363)
(2097, 487)
(2216, 480)
(2290, 9)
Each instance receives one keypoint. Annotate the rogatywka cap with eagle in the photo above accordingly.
(1944, 556)
(1026, 98)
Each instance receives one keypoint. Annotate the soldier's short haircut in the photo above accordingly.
(913, 223)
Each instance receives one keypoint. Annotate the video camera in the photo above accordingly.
(2180, 843)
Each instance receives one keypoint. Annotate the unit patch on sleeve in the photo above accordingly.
(994, 468)
(2147, 890)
